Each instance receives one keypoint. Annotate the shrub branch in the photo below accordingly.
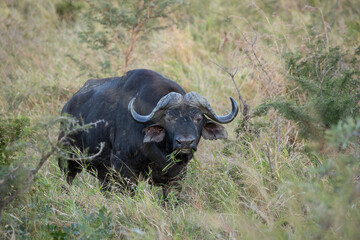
(245, 109)
(55, 148)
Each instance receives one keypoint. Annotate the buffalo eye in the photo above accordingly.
(169, 118)
(198, 118)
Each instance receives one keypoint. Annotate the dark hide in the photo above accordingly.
(131, 148)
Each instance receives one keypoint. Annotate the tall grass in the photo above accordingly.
(266, 184)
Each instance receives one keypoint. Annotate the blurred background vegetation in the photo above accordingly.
(293, 173)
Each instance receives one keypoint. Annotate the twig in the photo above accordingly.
(102, 145)
(252, 44)
(2, 181)
(333, 17)
(269, 160)
(310, 8)
(257, 211)
(74, 130)
(245, 109)
(278, 135)
(327, 30)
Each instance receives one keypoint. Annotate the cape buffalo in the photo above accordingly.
(150, 127)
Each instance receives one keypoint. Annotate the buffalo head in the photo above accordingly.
(181, 120)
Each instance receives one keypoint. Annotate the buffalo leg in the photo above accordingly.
(70, 169)
(124, 175)
(101, 172)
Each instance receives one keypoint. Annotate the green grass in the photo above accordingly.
(262, 185)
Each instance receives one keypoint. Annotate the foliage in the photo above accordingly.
(68, 9)
(323, 89)
(98, 225)
(16, 175)
(345, 134)
(115, 27)
(14, 133)
(338, 194)
(11, 130)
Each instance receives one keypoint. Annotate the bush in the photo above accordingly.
(323, 88)
(115, 27)
(68, 9)
(11, 130)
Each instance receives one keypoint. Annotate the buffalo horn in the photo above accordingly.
(197, 100)
(164, 103)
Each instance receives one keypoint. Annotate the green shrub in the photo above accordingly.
(96, 225)
(323, 88)
(332, 193)
(68, 9)
(11, 130)
(14, 131)
(115, 27)
(346, 134)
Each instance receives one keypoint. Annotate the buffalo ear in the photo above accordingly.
(154, 133)
(212, 131)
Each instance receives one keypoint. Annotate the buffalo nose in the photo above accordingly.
(185, 142)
